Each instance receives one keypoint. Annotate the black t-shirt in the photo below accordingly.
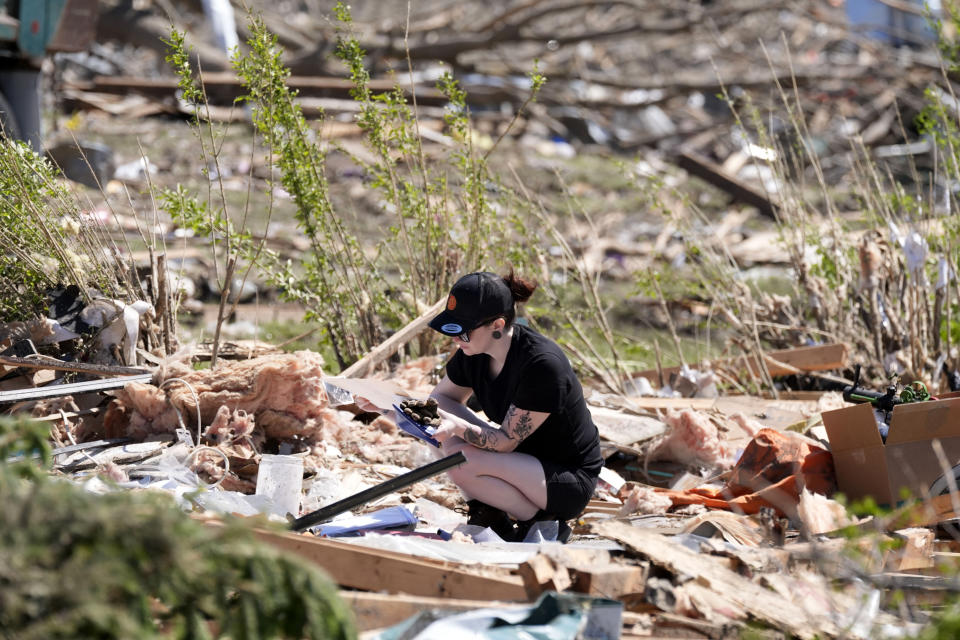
(537, 377)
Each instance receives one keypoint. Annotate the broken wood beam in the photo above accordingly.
(916, 551)
(358, 567)
(701, 167)
(86, 446)
(783, 362)
(542, 573)
(610, 581)
(74, 388)
(390, 346)
(225, 86)
(738, 594)
(76, 367)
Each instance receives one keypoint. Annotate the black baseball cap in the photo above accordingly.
(474, 299)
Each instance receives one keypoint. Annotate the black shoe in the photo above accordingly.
(523, 527)
(483, 515)
(564, 532)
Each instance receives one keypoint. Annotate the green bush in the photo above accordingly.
(74, 564)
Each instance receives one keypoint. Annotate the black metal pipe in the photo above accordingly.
(420, 473)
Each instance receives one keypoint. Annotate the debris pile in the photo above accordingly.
(712, 513)
(715, 512)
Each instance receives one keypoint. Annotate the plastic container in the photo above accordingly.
(280, 479)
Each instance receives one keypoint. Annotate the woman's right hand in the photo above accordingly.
(450, 427)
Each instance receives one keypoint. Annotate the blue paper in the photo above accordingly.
(389, 518)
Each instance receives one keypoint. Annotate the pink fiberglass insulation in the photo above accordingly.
(748, 424)
(415, 375)
(139, 410)
(273, 388)
(645, 500)
(284, 393)
(229, 426)
(693, 439)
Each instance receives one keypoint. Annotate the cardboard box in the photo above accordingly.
(867, 467)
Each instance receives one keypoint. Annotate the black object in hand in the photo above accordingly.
(425, 412)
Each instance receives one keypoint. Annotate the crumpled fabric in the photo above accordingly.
(773, 470)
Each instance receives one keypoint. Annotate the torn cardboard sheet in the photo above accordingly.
(907, 462)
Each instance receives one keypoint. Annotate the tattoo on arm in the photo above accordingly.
(477, 436)
(507, 419)
(516, 426)
(520, 429)
(489, 438)
(524, 425)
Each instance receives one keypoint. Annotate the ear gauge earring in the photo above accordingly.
(497, 335)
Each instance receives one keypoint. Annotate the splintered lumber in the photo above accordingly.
(74, 388)
(784, 362)
(916, 552)
(738, 593)
(601, 506)
(77, 367)
(697, 165)
(543, 573)
(610, 581)
(225, 86)
(390, 346)
(358, 567)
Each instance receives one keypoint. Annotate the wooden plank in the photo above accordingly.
(225, 85)
(54, 391)
(543, 573)
(784, 362)
(926, 513)
(389, 346)
(914, 581)
(672, 403)
(86, 446)
(379, 610)
(66, 415)
(700, 166)
(610, 581)
(741, 595)
(609, 509)
(358, 567)
(78, 367)
(916, 552)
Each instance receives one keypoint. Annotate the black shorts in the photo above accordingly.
(568, 490)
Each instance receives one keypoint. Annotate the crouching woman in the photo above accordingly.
(539, 459)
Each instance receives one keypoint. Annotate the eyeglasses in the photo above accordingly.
(465, 336)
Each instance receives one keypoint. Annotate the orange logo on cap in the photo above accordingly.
(451, 303)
